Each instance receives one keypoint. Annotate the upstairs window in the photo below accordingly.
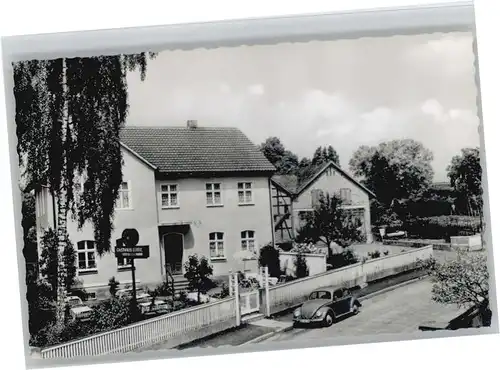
(245, 195)
(213, 192)
(345, 195)
(316, 196)
(123, 201)
(169, 196)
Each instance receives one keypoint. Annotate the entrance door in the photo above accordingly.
(174, 245)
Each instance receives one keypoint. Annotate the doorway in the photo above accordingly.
(173, 243)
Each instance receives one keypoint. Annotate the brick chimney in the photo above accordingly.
(192, 124)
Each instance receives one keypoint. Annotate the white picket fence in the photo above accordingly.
(175, 328)
(184, 326)
(287, 295)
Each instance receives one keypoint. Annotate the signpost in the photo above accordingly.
(126, 247)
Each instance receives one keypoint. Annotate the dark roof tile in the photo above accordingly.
(201, 149)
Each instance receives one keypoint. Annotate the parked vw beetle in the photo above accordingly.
(77, 309)
(325, 305)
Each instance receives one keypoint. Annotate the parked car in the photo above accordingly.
(145, 301)
(325, 305)
(77, 309)
(140, 294)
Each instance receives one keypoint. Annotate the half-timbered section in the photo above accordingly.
(293, 198)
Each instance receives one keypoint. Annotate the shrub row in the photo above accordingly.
(443, 227)
(107, 315)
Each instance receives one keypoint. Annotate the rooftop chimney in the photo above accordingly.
(192, 123)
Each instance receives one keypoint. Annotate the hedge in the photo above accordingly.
(442, 227)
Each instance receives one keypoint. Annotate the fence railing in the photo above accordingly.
(287, 295)
(175, 328)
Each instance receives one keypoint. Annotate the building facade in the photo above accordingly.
(187, 190)
(292, 198)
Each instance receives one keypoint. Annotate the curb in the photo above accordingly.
(267, 335)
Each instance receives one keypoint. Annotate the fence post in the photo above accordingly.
(268, 304)
(231, 282)
(237, 298)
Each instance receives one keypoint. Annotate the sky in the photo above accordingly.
(344, 93)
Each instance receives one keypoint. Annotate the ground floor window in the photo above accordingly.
(123, 262)
(248, 240)
(86, 255)
(216, 243)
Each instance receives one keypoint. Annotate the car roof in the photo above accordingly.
(331, 287)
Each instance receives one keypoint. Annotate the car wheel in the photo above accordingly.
(355, 309)
(328, 320)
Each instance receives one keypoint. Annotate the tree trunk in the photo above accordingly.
(61, 245)
(62, 212)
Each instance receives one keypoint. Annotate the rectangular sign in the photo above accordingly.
(139, 251)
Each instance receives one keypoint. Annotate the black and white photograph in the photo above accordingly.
(252, 195)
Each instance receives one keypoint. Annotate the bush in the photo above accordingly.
(287, 246)
(374, 254)
(224, 291)
(113, 286)
(163, 290)
(270, 257)
(443, 227)
(112, 314)
(301, 268)
(346, 258)
(198, 272)
(386, 253)
(54, 334)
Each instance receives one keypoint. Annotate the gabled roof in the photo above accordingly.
(289, 183)
(292, 185)
(200, 149)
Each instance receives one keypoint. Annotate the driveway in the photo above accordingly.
(399, 311)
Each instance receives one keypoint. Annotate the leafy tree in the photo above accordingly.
(461, 281)
(198, 272)
(465, 174)
(284, 160)
(325, 154)
(394, 170)
(270, 257)
(69, 112)
(273, 149)
(49, 262)
(305, 169)
(301, 268)
(330, 223)
(113, 286)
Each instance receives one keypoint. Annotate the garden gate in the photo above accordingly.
(248, 298)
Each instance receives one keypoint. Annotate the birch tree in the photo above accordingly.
(69, 113)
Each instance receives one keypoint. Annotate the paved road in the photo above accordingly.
(399, 311)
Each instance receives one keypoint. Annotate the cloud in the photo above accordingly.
(256, 89)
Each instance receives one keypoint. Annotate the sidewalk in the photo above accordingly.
(247, 333)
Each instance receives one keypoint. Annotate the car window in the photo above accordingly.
(338, 294)
(322, 294)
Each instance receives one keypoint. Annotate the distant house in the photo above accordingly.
(187, 190)
(292, 198)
